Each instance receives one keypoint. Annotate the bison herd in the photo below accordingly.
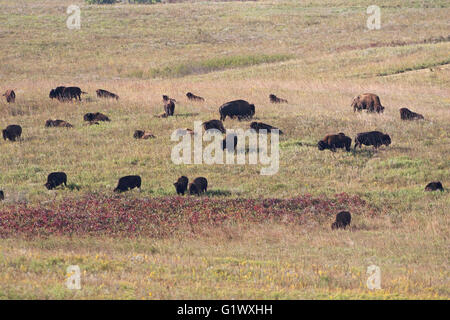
(240, 109)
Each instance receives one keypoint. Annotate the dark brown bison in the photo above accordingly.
(93, 117)
(262, 126)
(70, 93)
(368, 101)
(343, 219)
(214, 124)
(127, 183)
(12, 132)
(57, 93)
(10, 96)
(2, 195)
(181, 185)
(106, 94)
(169, 105)
(233, 140)
(372, 138)
(406, 114)
(55, 179)
(141, 134)
(333, 141)
(240, 109)
(58, 123)
(433, 186)
(199, 185)
(274, 99)
(193, 97)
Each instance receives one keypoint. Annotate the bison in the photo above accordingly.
(333, 141)
(214, 124)
(368, 101)
(169, 105)
(199, 185)
(433, 186)
(10, 96)
(406, 114)
(181, 185)
(343, 219)
(274, 99)
(372, 138)
(70, 93)
(58, 123)
(12, 132)
(193, 97)
(106, 94)
(240, 109)
(55, 179)
(57, 93)
(262, 126)
(93, 117)
(141, 134)
(127, 183)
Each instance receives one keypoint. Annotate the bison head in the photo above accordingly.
(252, 109)
(322, 145)
(386, 139)
(138, 134)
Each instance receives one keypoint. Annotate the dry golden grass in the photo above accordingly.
(331, 57)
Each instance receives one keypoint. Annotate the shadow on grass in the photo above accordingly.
(185, 115)
(73, 187)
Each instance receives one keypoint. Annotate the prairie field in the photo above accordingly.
(251, 236)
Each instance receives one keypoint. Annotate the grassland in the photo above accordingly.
(318, 55)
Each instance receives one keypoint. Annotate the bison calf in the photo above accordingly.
(127, 183)
(193, 97)
(372, 138)
(367, 101)
(406, 114)
(262, 126)
(240, 109)
(12, 132)
(181, 185)
(55, 179)
(69, 93)
(199, 185)
(58, 123)
(92, 117)
(106, 94)
(10, 96)
(274, 99)
(433, 186)
(333, 141)
(343, 219)
(169, 105)
(140, 134)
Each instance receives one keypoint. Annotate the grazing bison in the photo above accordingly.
(58, 123)
(55, 179)
(70, 93)
(93, 117)
(262, 126)
(433, 186)
(274, 99)
(127, 183)
(106, 94)
(193, 97)
(2, 195)
(368, 101)
(199, 185)
(57, 93)
(333, 141)
(140, 134)
(12, 132)
(169, 105)
(343, 219)
(235, 141)
(237, 108)
(372, 138)
(181, 185)
(406, 114)
(10, 96)
(214, 124)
